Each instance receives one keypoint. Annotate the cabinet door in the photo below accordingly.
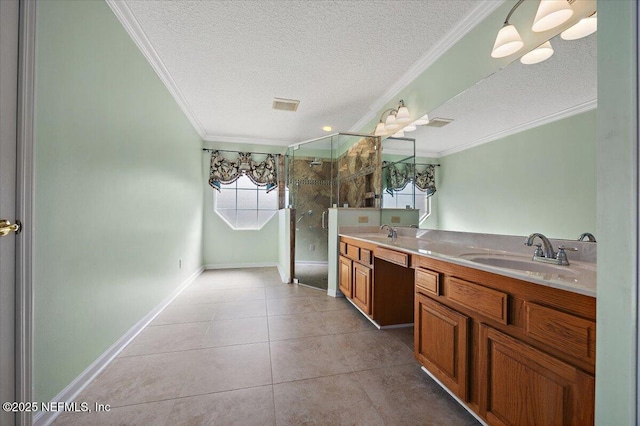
(520, 385)
(441, 343)
(362, 287)
(345, 276)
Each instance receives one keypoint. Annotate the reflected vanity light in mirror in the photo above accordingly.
(550, 14)
(399, 134)
(422, 120)
(539, 54)
(583, 28)
(507, 42)
(410, 128)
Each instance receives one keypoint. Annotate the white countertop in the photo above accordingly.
(578, 276)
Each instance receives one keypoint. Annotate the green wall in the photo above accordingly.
(118, 196)
(225, 247)
(617, 228)
(539, 180)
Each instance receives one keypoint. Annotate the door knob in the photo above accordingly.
(7, 227)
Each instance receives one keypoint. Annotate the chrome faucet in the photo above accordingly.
(548, 255)
(548, 248)
(393, 234)
(589, 236)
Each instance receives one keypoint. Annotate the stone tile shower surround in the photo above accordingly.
(359, 173)
(311, 189)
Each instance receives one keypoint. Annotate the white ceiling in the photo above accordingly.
(224, 61)
(516, 98)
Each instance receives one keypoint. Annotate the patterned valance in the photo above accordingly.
(396, 176)
(426, 180)
(225, 171)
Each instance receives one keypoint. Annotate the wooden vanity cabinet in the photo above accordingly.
(377, 280)
(515, 352)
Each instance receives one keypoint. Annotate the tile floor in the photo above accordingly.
(239, 347)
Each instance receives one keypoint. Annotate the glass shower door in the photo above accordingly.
(311, 192)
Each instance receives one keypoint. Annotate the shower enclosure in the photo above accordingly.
(314, 172)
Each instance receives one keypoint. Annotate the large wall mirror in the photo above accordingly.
(517, 149)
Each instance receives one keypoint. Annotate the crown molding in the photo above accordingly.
(556, 116)
(133, 28)
(241, 140)
(462, 28)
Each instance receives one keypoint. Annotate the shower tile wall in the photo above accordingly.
(311, 187)
(359, 174)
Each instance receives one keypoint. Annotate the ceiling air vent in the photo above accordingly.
(285, 104)
(438, 122)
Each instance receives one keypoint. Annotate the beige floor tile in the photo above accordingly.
(244, 407)
(243, 294)
(176, 314)
(167, 338)
(405, 395)
(235, 310)
(236, 331)
(195, 296)
(346, 321)
(307, 357)
(290, 306)
(227, 368)
(138, 379)
(404, 334)
(293, 290)
(154, 413)
(373, 349)
(328, 303)
(294, 326)
(334, 400)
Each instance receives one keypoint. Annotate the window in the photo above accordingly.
(243, 205)
(403, 198)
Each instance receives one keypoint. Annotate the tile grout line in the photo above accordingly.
(273, 392)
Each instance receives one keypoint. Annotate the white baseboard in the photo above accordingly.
(74, 388)
(284, 275)
(241, 265)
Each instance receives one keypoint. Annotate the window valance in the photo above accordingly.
(397, 176)
(225, 171)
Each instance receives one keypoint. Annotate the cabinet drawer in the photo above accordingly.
(486, 301)
(353, 252)
(571, 334)
(343, 248)
(365, 256)
(393, 256)
(427, 282)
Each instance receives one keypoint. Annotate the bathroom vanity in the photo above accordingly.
(513, 343)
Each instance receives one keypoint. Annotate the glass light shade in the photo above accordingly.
(399, 134)
(391, 124)
(422, 120)
(380, 130)
(539, 54)
(583, 28)
(410, 127)
(403, 115)
(507, 42)
(550, 14)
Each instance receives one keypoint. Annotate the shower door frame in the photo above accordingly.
(292, 207)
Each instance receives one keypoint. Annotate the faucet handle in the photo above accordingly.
(561, 256)
(563, 248)
(538, 252)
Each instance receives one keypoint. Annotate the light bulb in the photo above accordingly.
(583, 28)
(508, 42)
(539, 54)
(550, 14)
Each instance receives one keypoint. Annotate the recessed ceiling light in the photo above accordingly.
(327, 128)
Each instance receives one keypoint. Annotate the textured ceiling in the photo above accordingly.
(515, 98)
(229, 59)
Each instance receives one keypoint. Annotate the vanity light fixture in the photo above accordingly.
(399, 134)
(583, 28)
(539, 54)
(550, 14)
(395, 118)
(410, 127)
(507, 42)
(422, 120)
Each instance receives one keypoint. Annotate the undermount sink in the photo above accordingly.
(518, 263)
